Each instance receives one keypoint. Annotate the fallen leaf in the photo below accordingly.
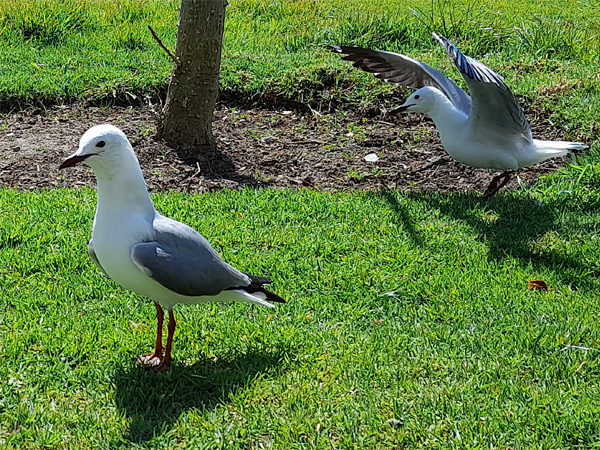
(537, 285)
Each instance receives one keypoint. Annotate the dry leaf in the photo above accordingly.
(537, 285)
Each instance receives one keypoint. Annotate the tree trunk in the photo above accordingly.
(194, 87)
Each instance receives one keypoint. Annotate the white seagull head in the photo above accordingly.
(425, 100)
(104, 148)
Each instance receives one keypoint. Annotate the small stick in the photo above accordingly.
(169, 52)
(197, 172)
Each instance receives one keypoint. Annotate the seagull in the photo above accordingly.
(487, 129)
(148, 253)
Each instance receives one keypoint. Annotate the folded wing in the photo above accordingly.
(183, 261)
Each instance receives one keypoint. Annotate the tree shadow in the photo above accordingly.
(154, 402)
(212, 163)
(509, 224)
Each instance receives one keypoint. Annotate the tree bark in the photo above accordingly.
(194, 86)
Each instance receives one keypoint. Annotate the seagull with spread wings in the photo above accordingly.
(486, 129)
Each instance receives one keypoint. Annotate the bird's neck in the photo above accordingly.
(124, 191)
(447, 118)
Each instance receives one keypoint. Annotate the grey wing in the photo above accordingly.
(94, 258)
(183, 261)
(404, 71)
(495, 107)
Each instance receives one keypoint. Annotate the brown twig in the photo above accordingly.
(437, 160)
(169, 52)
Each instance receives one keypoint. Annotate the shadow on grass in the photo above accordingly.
(403, 215)
(153, 403)
(509, 223)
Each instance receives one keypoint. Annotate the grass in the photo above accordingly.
(408, 324)
(57, 51)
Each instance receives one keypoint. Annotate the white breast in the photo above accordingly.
(113, 237)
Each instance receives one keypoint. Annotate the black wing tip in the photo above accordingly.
(272, 297)
(252, 289)
(345, 49)
(352, 51)
(450, 48)
(469, 67)
(441, 39)
(363, 58)
(257, 285)
(448, 45)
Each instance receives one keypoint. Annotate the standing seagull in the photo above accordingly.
(149, 253)
(486, 130)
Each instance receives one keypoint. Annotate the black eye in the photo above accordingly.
(417, 97)
(100, 144)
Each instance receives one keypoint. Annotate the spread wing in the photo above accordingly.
(495, 107)
(182, 260)
(404, 71)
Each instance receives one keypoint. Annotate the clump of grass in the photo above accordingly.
(551, 37)
(476, 27)
(380, 31)
(45, 22)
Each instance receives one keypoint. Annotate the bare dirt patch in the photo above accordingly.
(256, 147)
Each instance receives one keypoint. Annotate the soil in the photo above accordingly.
(255, 147)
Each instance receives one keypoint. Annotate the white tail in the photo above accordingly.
(552, 149)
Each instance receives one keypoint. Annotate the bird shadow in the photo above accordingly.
(154, 402)
(403, 215)
(509, 224)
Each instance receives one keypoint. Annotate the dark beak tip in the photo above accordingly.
(398, 110)
(66, 163)
(71, 161)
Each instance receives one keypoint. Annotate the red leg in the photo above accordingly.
(156, 356)
(497, 183)
(166, 362)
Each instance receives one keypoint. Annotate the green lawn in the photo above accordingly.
(59, 50)
(409, 323)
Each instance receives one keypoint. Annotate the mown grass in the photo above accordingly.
(408, 324)
(63, 50)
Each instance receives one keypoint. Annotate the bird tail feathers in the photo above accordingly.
(256, 298)
(256, 288)
(271, 296)
(552, 149)
(259, 296)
